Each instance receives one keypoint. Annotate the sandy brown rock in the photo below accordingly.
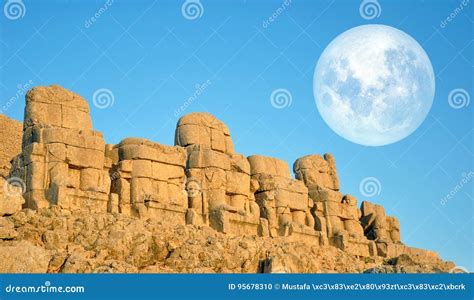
(23, 257)
(58, 241)
(10, 145)
(140, 206)
(63, 160)
(203, 129)
(11, 199)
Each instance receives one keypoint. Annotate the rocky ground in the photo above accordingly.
(58, 241)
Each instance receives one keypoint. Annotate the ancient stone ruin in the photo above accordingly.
(200, 180)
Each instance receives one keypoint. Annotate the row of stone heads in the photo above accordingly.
(65, 162)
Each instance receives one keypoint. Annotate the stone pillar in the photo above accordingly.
(62, 160)
(384, 230)
(220, 187)
(150, 180)
(283, 201)
(337, 216)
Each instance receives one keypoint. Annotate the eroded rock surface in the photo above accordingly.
(10, 146)
(60, 241)
(72, 204)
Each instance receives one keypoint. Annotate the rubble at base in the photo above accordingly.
(76, 204)
(65, 242)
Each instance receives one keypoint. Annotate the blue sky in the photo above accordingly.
(230, 59)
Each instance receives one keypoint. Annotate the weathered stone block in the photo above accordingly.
(205, 130)
(42, 113)
(74, 178)
(191, 134)
(56, 152)
(292, 200)
(239, 163)
(208, 178)
(167, 172)
(113, 204)
(322, 195)
(268, 165)
(126, 166)
(229, 145)
(85, 158)
(58, 174)
(177, 195)
(112, 153)
(34, 152)
(72, 117)
(134, 148)
(11, 199)
(215, 197)
(237, 183)
(354, 246)
(35, 176)
(217, 140)
(239, 202)
(36, 199)
(142, 168)
(89, 179)
(73, 137)
(317, 171)
(95, 180)
(141, 190)
(354, 227)
(203, 157)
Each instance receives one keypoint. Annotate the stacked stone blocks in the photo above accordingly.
(63, 159)
(199, 181)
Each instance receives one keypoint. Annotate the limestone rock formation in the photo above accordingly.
(82, 242)
(197, 206)
(283, 201)
(11, 199)
(10, 137)
(219, 188)
(62, 160)
(335, 214)
(24, 257)
(149, 180)
(203, 129)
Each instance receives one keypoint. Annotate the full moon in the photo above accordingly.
(374, 85)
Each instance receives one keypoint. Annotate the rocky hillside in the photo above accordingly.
(59, 241)
(11, 132)
(73, 204)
